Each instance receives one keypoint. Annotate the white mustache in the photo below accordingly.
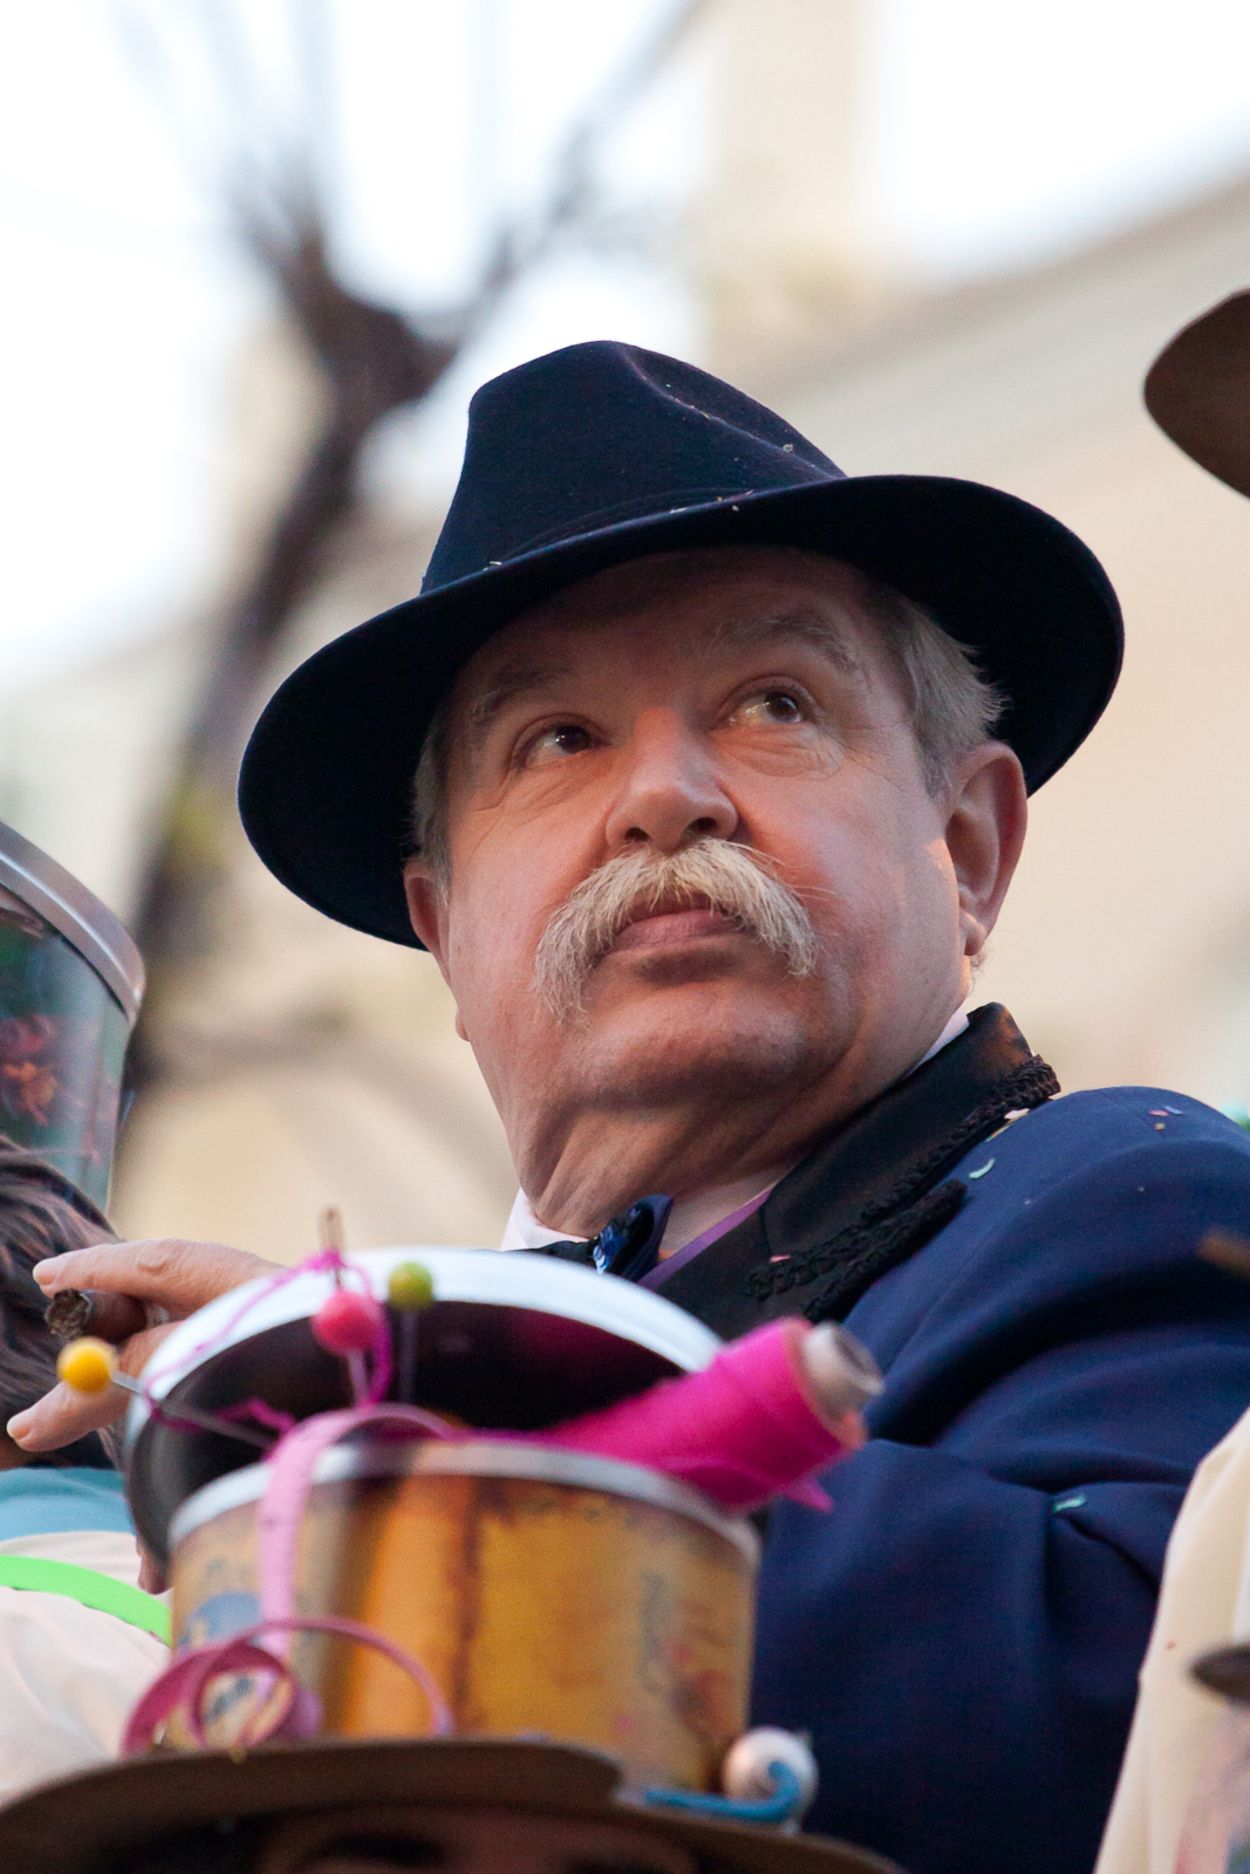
(732, 879)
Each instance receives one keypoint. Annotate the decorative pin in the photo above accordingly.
(348, 1324)
(89, 1366)
(410, 1291)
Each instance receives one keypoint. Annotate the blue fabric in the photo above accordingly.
(44, 1499)
(961, 1636)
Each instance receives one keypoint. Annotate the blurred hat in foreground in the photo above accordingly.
(386, 1805)
(1198, 391)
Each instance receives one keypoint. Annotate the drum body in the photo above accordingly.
(547, 1593)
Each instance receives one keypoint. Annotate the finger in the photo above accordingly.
(173, 1274)
(63, 1415)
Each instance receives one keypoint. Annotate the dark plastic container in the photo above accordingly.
(71, 981)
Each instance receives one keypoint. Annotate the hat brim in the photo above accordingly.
(325, 787)
(1198, 391)
(83, 1824)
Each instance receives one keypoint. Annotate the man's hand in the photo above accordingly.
(140, 1290)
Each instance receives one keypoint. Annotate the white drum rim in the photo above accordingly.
(495, 1278)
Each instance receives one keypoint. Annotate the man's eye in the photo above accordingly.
(770, 706)
(561, 738)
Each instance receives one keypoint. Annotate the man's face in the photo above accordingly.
(739, 695)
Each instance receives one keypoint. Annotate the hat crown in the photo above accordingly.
(604, 433)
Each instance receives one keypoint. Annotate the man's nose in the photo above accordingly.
(671, 791)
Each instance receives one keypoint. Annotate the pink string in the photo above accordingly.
(742, 1429)
(369, 1386)
(186, 1684)
(312, 1265)
(291, 1465)
(382, 1363)
(262, 1413)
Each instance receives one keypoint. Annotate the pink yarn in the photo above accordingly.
(184, 1686)
(370, 1380)
(291, 1467)
(742, 1430)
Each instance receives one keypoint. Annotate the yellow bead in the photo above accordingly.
(86, 1365)
(410, 1288)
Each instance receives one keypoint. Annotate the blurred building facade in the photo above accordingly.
(316, 1066)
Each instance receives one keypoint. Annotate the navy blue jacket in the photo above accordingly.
(961, 1635)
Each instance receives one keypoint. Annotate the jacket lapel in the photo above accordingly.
(872, 1193)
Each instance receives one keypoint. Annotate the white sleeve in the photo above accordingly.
(1180, 1733)
(68, 1679)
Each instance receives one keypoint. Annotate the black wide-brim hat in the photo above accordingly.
(1198, 391)
(94, 1823)
(604, 453)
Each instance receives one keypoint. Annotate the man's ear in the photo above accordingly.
(427, 913)
(984, 835)
(427, 908)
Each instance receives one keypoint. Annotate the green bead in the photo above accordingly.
(410, 1287)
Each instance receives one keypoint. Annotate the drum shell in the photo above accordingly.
(546, 1592)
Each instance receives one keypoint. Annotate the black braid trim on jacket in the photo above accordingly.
(869, 1253)
(891, 1227)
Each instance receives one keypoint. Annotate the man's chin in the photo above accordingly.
(679, 1044)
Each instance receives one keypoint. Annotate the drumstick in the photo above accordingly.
(342, 1333)
(330, 1231)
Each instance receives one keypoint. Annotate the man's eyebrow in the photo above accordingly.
(511, 681)
(801, 624)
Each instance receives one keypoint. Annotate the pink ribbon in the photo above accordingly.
(186, 1684)
(290, 1475)
(291, 1465)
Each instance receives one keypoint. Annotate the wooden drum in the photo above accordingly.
(546, 1592)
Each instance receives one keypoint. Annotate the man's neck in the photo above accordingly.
(688, 1219)
(699, 1209)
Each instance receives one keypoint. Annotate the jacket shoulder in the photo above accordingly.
(1154, 1113)
(1082, 1197)
(1107, 1132)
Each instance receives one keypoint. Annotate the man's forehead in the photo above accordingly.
(734, 599)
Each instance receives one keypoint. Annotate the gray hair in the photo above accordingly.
(954, 708)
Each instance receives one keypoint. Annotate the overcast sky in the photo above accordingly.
(997, 134)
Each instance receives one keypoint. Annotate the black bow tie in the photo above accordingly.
(628, 1246)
